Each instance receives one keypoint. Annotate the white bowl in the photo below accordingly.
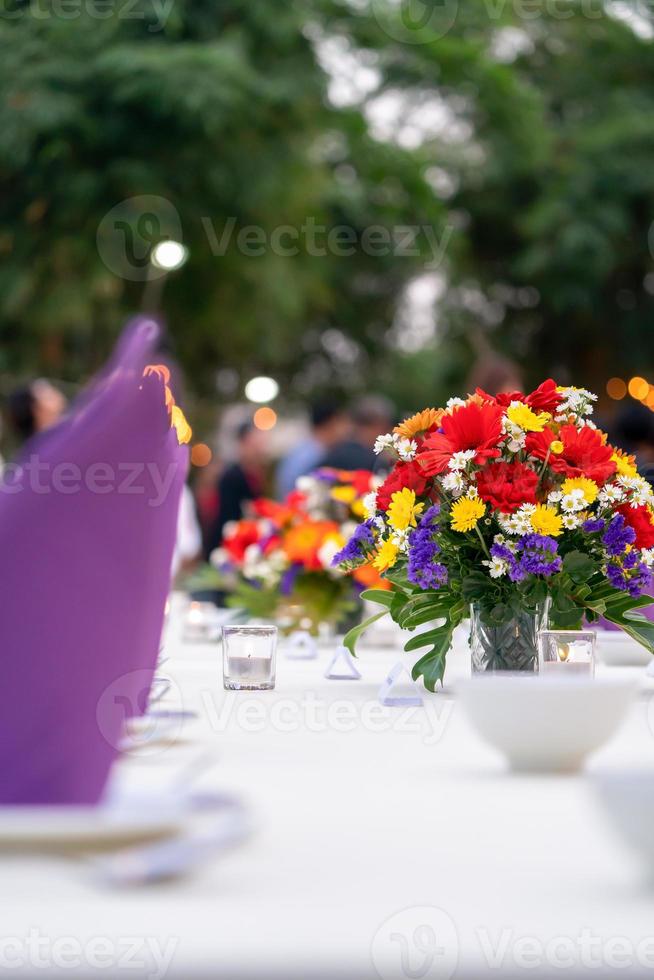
(545, 723)
(628, 798)
(618, 649)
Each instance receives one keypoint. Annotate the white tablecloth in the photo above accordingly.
(389, 842)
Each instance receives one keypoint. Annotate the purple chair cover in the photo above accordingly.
(87, 530)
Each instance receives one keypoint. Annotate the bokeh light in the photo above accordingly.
(265, 418)
(638, 388)
(169, 255)
(201, 454)
(261, 389)
(616, 388)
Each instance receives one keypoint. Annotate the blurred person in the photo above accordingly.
(495, 375)
(372, 416)
(240, 482)
(34, 408)
(205, 491)
(329, 426)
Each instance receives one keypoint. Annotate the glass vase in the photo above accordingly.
(511, 644)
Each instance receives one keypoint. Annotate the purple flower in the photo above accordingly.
(592, 525)
(616, 577)
(288, 579)
(535, 554)
(617, 536)
(422, 569)
(356, 547)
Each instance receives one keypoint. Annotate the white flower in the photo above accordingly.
(570, 521)
(453, 403)
(385, 442)
(647, 556)
(401, 539)
(454, 484)
(460, 460)
(252, 553)
(369, 503)
(327, 551)
(528, 509)
(522, 519)
(496, 567)
(516, 443)
(554, 496)
(575, 500)
(471, 493)
(610, 494)
(407, 449)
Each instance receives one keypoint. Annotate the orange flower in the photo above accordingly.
(419, 423)
(369, 578)
(302, 543)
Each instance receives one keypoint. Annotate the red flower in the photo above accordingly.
(238, 538)
(584, 453)
(404, 475)
(640, 519)
(545, 398)
(473, 426)
(507, 485)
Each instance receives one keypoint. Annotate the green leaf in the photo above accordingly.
(351, 638)
(579, 566)
(431, 667)
(383, 597)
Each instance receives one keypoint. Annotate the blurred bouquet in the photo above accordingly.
(278, 562)
(501, 505)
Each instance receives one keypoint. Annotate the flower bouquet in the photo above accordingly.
(278, 562)
(510, 510)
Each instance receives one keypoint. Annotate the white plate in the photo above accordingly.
(120, 821)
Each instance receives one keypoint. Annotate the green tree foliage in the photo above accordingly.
(523, 140)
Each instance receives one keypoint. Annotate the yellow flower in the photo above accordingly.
(556, 446)
(418, 423)
(181, 426)
(386, 556)
(466, 512)
(589, 487)
(545, 520)
(358, 509)
(344, 494)
(403, 510)
(525, 419)
(626, 465)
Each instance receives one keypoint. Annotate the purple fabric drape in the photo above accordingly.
(87, 530)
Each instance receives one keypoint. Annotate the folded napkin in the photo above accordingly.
(88, 519)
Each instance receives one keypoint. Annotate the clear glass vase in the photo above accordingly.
(508, 645)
